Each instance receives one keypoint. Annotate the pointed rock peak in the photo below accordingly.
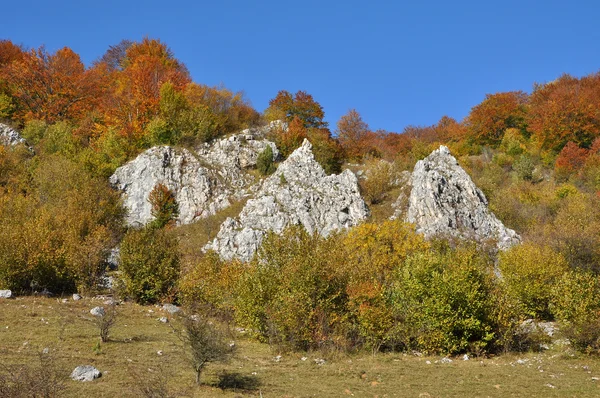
(445, 201)
(299, 193)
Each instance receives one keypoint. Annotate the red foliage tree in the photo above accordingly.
(571, 158)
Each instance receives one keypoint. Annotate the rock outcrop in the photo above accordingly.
(203, 183)
(445, 201)
(298, 193)
(10, 136)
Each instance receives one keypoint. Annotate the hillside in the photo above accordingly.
(126, 179)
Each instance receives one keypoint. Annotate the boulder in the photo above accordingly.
(6, 294)
(444, 201)
(97, 311)
(298, 193)
(85, 373)
(171, 308)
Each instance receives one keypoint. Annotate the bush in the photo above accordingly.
(211, 282)
(529, 272)
(292, 293)
(149, 264)
(205, 342)
(378, 181)
(442, 302)
(264, 163)
(524, 167)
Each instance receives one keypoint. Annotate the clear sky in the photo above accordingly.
(398, 63)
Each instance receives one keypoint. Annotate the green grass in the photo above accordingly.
(28, 325)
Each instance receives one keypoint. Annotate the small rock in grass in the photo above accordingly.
(97, 311)
(76, 297)
(445, 360)
(466, 357)
(277, 358)
(163, 319)
(6, 294)
(320, 361)
(85, 373)
(170, 308)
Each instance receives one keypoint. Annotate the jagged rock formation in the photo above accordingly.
(10, 137)
(203, 183)
(298, 193)
(445, 201)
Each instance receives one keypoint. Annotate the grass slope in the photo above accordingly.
(28, 325)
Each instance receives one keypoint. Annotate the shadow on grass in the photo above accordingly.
(237, 381)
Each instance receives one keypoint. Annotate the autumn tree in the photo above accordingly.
(135, 96)
(570, 159)
(353, 134)
(567, 109)
(51, 87)
(487, 121)
(301, 105)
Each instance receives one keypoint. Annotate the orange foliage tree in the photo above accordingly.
(135, 96)
(567, 109)
(51, 87)
(487, 121)
(353, 135)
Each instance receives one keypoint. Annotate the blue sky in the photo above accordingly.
(398, 63)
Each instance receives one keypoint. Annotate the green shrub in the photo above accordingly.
(264, 163)
(149, 264)
(529, 272)
(291, 294)
(442, 302)
(524, 167)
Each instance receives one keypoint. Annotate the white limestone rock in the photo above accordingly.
(203, 183)
(445, 201)
(298, 193)
(10, 136)
(85, 373)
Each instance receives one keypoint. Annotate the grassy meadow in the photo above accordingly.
(144, 356)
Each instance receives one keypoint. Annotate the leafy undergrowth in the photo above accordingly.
(144, 353)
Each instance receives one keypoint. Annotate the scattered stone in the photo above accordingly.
(76, 297)
(64, 301)
(550, 385)
(277, 358)
(303, 358)
(171, 308)
(466, 357)
(85, 373)
(298, 193)
(595, 378)
(522, 361)
(159, 352)
(6, 294)
(163, 319)
(45, 351)
(428, 362)
(320, 361)
(444, 201)
(446, 360)
(97, 311)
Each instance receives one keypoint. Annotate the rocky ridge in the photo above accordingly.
(444, 201)
(298, 193)
(203, 182)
